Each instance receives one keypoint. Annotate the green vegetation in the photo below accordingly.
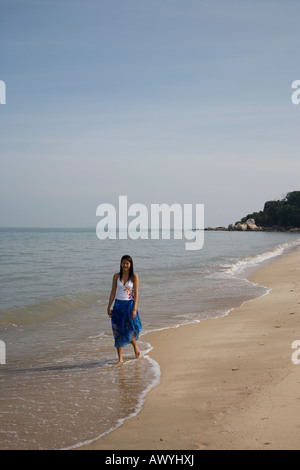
(284, 213)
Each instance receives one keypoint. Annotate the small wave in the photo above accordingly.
(56, 368)
(254, 260)
(47, 309)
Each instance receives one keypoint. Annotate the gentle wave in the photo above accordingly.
(47, 309)
(52, 368)
(255, 260)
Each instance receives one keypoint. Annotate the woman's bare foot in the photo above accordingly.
(138, 355)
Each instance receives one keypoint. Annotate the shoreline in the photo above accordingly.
(226, 383)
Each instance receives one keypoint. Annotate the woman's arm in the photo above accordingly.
(136, 294)
(112, 294)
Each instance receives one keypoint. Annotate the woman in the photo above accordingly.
(124, 316)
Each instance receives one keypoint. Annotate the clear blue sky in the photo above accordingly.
(163, 101)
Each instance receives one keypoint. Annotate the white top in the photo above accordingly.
(125, 292)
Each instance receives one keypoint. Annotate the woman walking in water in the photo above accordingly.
(125, 320)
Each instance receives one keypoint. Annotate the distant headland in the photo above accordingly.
(277, 216)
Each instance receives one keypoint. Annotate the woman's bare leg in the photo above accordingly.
(120, 355)
(136, 348)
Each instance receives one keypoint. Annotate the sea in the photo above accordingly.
(60, 386)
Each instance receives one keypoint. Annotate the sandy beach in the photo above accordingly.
(226, 383)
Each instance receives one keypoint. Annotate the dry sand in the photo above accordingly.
(226, 383)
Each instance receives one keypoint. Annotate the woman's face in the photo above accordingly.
(125, 265)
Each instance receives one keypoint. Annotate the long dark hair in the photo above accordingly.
(131, 271)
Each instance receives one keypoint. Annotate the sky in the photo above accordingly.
(164, 101)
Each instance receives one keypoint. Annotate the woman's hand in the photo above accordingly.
(109, 312)
(133, 315)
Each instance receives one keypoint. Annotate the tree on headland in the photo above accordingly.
(281, 213)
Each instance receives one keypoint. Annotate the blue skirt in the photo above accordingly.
(123, 326)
